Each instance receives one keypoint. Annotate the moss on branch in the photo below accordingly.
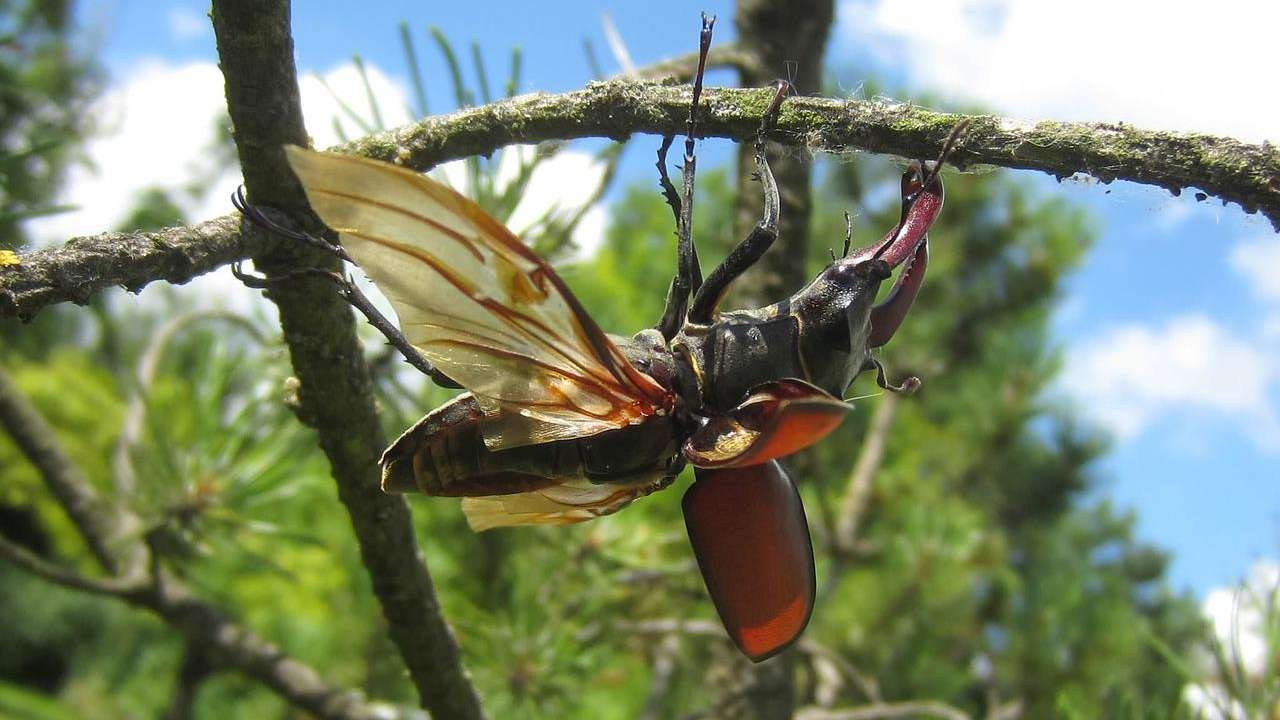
(1237, 172)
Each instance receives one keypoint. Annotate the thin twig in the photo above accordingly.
(146, 584)
(112, 536)
(34, 564)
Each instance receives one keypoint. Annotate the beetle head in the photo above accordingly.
(838, 308)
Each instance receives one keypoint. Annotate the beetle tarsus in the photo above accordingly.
(947, 147)
(909, 385)
(259, 218)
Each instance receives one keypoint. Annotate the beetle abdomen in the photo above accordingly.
(444, 454)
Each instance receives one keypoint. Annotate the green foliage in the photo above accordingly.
(44, 88)
(982, 575)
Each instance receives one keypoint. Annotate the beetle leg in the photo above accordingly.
(762, 235)
(258, 218)
(688, 270)
(346, 288)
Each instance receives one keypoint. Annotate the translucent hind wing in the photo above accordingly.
(476, 302)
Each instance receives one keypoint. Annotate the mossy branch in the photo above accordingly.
(83, 266)
(1238, 172)
(1233, 171)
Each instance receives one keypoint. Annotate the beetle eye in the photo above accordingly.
(876, 269)
(845, 274)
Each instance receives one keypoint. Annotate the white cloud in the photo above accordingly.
(1189, 367)
(187, 24)
(158, 126)
(1179, 66)
(1238, 618)
(156, 130)
(565, 182)
(1258, 262)
(320, 106)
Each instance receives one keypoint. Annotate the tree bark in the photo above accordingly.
(255, 51)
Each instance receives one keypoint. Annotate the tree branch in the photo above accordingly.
(255, 51)
(82, 266)
(34, 564)
(112, 536)
(1246, 174)
(887, 711)
(227, 643)
(1234, 171)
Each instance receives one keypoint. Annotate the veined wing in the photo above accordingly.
(479, 304)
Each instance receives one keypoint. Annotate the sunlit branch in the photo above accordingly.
(1231, 170)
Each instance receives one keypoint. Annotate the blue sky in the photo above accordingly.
(1171, 329)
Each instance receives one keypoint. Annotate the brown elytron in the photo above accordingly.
(740, 523)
